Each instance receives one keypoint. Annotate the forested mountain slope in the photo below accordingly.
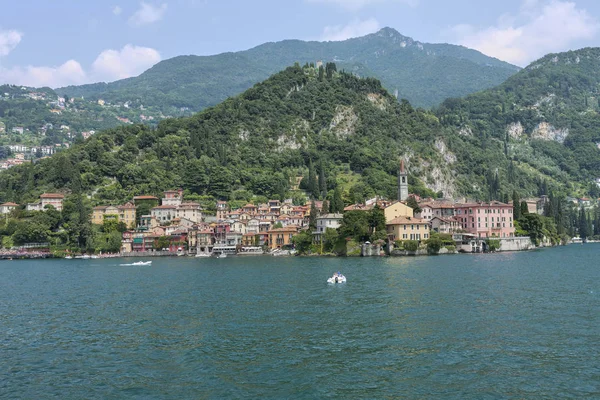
(423, 73)
(348, 131)
(545, 119)
(255, 144)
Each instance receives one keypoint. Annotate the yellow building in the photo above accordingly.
(125, 213)
(396, 210)
(281, 236)
(408, 228)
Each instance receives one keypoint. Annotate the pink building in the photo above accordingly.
(485, 220)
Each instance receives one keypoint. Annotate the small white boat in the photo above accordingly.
(337, 278)
(222, 255)
(199, 255)
(137, 263)
(95, 257)
(68, 258)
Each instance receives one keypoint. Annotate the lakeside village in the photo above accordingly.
(180, 227)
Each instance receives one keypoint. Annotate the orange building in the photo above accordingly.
(282, 236)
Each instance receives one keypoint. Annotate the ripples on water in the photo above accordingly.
(512, 325)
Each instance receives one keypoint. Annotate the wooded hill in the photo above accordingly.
(299, 122)
(543, 120)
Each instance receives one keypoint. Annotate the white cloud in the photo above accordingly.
(117, 10)
(129, 61)
(354, 29)
(8, 41)
(540, 27)
(69, 73)
(148, 14)
(110, 65)
(358, 4)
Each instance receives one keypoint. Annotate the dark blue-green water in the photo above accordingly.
(514, 325)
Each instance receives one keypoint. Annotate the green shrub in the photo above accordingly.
(493, 244)
(411, 245)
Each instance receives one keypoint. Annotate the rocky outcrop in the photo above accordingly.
(343, 122)
(515, 131)
(545, 131)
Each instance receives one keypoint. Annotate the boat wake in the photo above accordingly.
(137, 263)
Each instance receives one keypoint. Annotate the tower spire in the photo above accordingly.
(402, 182)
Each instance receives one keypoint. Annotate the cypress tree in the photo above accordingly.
(583, 224)
(516, 205)
(312, 217)
(337, 206)
(313, 186)
(322, 180)
(325, 208)
(524, 208)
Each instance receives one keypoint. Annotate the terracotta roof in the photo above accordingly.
(407, 220)
(52, 196)
(189, 205)
(290, 228)
(9, 204)
(358, 207)
(145, 198)
(100, 207)
(127, 205)
(483, 204)
(331, 216)
(165, 207)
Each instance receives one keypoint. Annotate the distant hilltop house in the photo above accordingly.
(7, 208)
(18, 129)
(124, 120)
(101, 102)
(47, 199)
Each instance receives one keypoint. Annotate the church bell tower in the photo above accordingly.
(402, 182)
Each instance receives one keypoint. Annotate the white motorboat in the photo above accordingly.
(137, 263)
(222, 255)
(202, 255)
(337, 278)
(68, 258)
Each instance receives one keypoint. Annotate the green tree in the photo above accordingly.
(516, 205)
(337, 205)
(524, 208)
(377, 227)
(313, 185)
(325, 207)
(434, 244)
(330, 239)
(412, 203)
(322, 180)
(162, 242)
(355, 225)
(583, 224)
(303, 242)
(312, 216)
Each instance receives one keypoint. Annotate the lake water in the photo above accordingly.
(509, 325)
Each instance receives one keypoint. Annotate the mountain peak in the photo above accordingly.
(391, 33)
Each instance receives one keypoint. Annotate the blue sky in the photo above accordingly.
(62, 42)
